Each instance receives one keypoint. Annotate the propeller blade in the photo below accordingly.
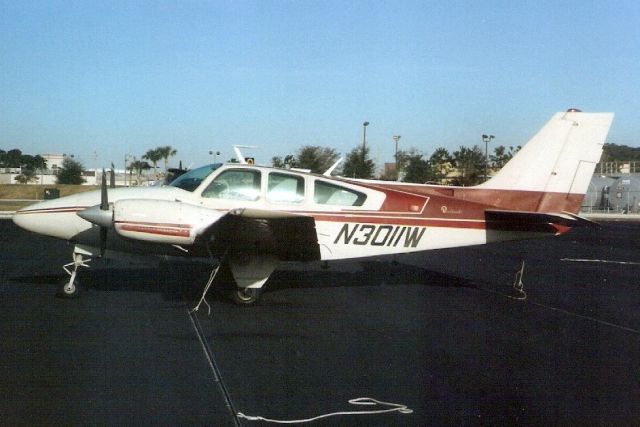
(104, 198)
(104, 206)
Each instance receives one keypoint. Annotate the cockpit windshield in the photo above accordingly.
(192, 179)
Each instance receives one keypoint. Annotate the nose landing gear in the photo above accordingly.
(70, 288)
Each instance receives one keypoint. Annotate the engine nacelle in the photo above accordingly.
(162, 221)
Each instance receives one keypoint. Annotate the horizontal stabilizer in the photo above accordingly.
(532, 221)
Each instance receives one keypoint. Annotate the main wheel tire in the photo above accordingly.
(245, 296)
(68, 290)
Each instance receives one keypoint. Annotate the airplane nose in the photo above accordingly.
(48, 218)
(27, 218)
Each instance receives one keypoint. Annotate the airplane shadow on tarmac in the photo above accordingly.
(185, 281)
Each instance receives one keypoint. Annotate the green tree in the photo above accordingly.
(358, 164)
(16, 159)
(615, 152)
(279, 162)
(416, 168)
(70, 172)
(501, 156)
(441, 164)
(12, 158)
(315, 158)
(470, 163)
(27, 176)
(32, 162)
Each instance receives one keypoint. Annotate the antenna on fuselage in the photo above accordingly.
(331, 169)
(236, 149)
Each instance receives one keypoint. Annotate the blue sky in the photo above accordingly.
(105, 79)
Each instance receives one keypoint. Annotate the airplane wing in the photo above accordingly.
(289, 237)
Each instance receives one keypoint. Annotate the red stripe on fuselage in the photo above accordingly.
(522, 200)
(158, 229)
(155, 224)
(402, 220)
(468, 224)
(51, 210)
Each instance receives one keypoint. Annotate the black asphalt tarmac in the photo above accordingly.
(443, 333)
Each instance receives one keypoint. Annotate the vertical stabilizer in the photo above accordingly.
(560, 158)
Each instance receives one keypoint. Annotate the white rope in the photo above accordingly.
(206, 289)
(604, 261)
(518, 286)
(391, 407)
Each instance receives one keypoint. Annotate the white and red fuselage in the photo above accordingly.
(393, 219)
(291, 215)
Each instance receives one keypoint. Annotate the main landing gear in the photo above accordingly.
(250, 272)
(70, 288)
(244, 276)
(245, 296)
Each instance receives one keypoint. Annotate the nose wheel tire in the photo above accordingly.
(68, 289)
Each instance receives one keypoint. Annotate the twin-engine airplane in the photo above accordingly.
(250, 217)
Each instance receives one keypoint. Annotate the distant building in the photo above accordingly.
(615, 187)
(91, 176)
(54, 161)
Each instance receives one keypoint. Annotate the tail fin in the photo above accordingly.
(560, 158)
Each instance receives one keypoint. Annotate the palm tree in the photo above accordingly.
(166, 152)
(138, 166)
(154, 157)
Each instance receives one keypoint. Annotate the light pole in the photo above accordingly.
(396, 138)
(486, 139)
(127, 157)
(215, 155)
(364, 143)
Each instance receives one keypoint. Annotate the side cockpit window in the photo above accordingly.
(285, 188)
(331, 194)
(235, 184)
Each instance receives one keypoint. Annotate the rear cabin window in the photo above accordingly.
(238, 184)
(285, 188)
(331, 194)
